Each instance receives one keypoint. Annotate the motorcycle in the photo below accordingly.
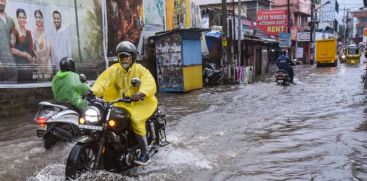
(108, 141)
(364, 78)
(282, 78)
(212, 75)
(57, 121)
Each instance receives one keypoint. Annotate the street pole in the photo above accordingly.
(312, 29)
(289, 25)
(346, 28)
(224, 38)
(239, 35)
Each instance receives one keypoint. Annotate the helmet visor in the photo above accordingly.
(123, 55)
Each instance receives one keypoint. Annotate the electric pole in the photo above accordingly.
(289, 26)
(346, 28)
(312, 30)
(239, 35)
(224, 37)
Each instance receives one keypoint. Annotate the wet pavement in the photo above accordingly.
(314, 130)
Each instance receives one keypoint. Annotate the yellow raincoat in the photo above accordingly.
(114, 80)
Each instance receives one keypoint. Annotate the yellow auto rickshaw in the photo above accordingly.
(352, 55)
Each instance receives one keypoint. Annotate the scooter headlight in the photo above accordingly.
(92, 115)
(343, 56)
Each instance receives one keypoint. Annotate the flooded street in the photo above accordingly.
(314, 130)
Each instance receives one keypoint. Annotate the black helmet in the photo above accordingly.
(127, 48)
(67, 64)
(283, 52)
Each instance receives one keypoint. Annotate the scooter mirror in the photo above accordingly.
(82, 78)
(135, 82)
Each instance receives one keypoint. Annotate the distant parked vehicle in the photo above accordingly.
(326, 52)
(212, 75)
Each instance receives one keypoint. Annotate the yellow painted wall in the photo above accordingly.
(193, 77)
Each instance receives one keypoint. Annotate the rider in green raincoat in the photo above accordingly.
(67, 87)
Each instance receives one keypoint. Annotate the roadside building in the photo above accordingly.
(299, 28)
(329, 17)
(361, 22)
(256, 44)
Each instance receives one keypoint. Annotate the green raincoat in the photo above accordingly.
(66, 87)
(113, 81)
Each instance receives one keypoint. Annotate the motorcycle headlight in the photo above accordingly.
(92, 115)
(343, 56)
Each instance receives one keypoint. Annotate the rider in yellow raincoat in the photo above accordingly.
(116, 81)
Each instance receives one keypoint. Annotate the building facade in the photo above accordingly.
(360, 18)
(329, 16)
(298, 25)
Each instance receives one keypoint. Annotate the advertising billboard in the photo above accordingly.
(272, 22)
(35, 35)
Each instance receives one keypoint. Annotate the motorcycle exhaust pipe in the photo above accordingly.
(62, 134)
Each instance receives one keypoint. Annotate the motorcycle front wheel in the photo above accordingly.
(81, 159)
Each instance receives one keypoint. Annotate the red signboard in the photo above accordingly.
(360, 14)
(272, 22)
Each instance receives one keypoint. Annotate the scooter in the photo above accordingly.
(212, 75)
(282, 78)
(58, 121)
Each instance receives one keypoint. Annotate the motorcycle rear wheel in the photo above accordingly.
(81, 159)
(49, 141)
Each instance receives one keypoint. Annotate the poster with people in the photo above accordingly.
(125, 22)
(178, 14)
(154, 15)
(35, 35)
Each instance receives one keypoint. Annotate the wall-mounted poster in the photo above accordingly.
(169, 62)
(195, 16)
(154, 15)
(35, 35)
(125, 22)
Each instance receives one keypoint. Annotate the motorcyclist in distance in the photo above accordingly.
(284, 63)
(67, 87)
(115, 82)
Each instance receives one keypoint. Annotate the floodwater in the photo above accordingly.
(314, 130)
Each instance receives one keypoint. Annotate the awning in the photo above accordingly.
(214, 34)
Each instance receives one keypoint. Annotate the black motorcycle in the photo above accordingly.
(364, 78)
(212, 75)
(282, 78)
(108, 141)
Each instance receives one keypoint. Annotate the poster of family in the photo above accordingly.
(36, 34)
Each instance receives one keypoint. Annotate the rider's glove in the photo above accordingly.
(137, 97)
(90, 94)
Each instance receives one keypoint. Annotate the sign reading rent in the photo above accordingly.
(272, 22)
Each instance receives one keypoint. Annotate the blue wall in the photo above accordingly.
(191, 52)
